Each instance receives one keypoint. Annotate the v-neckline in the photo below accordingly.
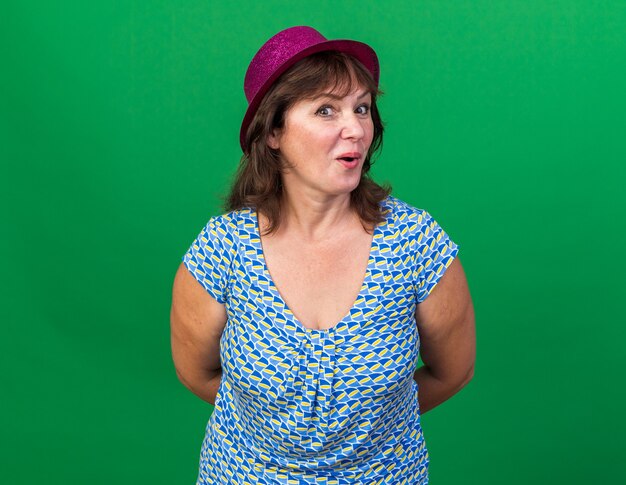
(337, 326)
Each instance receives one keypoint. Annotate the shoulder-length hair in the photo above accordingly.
(258, 182)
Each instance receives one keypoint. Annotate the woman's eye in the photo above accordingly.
(324, 111)
(363, 109)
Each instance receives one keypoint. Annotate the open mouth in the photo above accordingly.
(349, 157)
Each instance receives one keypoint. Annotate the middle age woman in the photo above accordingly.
(300, 312)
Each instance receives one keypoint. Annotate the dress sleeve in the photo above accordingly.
(209, 259)
(435, 251)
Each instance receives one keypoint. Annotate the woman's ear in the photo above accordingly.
(273, 140)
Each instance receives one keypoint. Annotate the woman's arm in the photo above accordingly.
(197, 322)
(445, 321)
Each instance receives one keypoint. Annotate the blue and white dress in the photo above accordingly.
(304, 406)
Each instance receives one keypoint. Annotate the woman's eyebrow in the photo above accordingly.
(338, 97)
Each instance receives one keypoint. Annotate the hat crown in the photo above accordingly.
(279, 49)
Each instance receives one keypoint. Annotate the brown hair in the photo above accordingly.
(258, 182)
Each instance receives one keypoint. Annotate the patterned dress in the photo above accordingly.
(303, 406)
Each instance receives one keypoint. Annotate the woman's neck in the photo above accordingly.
(316, 217)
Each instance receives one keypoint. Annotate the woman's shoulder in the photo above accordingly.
(417, 229)
(397, 211)
(229, 221)
(225, 229)
(404, 219)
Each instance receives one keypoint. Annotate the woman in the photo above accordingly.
(309, 363)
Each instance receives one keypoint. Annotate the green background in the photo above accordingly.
(118, 136)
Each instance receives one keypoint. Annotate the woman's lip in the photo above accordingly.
(350, 155)
(352, 163)
(349, 160)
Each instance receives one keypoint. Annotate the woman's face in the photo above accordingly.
(324, 143)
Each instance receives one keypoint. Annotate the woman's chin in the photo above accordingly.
(346, 189)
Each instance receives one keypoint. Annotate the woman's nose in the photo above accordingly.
(353, 127)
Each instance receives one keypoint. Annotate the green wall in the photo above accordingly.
(118, 136)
